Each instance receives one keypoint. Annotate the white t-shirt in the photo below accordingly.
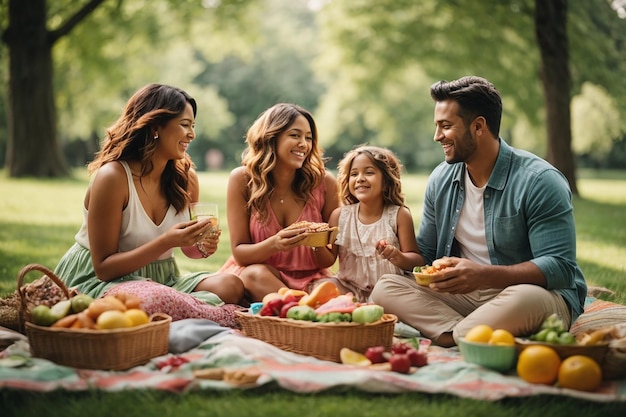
(470, 230)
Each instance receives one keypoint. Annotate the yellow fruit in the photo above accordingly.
(100, 305)
(113, 319)
(350, 357)
(119, 304)
(137, 316)
(538, 364)
(580, 372)
(481, 334)
(502, 337)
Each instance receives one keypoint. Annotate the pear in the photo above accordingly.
(42, 316)
(61, 309)
(80, 302)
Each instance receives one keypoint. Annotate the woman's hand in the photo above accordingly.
(189, 233)
(207, 245)
(289, 238)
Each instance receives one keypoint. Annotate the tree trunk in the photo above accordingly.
(551, 32)
(32, 145)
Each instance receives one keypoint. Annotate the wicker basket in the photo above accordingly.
(610, 362)
(116, 349)
(321, 340)
(596, 352)
(44, 290)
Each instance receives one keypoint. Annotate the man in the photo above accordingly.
(500, 219)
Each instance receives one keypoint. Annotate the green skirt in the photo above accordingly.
(76, 270)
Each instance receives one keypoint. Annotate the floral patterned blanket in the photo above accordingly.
(228, 360)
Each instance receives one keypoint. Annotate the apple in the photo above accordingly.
(376, 354)
(400, 347)
(417, 358)
(400, 362)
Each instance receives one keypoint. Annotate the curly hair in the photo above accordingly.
(383, 159)
(130, 138)
(259, 158)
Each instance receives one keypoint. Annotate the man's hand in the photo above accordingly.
(460, 277)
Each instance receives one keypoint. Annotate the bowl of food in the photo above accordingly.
(317, 234)
(500, 358)
(424, 275)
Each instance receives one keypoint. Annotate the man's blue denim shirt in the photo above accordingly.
(528, 217)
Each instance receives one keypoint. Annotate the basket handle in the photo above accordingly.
(22, 293)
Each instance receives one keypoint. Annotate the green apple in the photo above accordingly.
(41, 315)
(80, 302)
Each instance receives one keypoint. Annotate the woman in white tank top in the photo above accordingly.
(136, 211)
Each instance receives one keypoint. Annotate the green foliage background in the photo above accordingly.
(363, 67)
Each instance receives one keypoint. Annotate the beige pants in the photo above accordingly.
(519, 309)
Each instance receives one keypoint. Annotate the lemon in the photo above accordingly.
(481, 334)
(80, 302)
(137, 316)
(351, 357)
(113, 319)
(502, 337)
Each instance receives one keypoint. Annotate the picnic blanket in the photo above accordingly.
(229, 350)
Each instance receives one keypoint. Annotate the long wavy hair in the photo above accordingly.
(131, 138)
(383, 159)
(260, 158)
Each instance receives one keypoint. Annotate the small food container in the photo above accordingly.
(320, 239)
(501, 358)
(423, 279)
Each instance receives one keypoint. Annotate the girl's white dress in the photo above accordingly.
(360, 266)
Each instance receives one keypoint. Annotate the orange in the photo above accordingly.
(502, 337)
(113, 319)
(538, 364)
(481, 334)
(137, 316)
(580, 372)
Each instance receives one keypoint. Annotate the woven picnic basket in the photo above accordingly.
(43, 290)
(115, 349)
(321, 340)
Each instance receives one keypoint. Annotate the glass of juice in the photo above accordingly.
(201, 211)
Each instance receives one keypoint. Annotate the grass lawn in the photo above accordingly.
(38, 220)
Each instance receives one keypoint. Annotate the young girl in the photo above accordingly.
(376, 234)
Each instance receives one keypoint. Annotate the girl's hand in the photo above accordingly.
(388, 252)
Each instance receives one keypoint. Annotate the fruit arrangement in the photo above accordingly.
(541, 364)
(403, 357)
(324, 304)
(553, 331)
(83, 312)
(485, 334)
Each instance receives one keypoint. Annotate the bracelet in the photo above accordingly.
(200, 248)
